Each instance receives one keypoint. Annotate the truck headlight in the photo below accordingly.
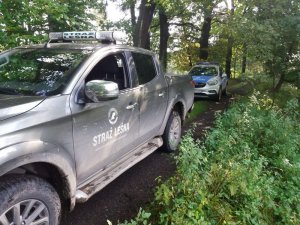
(212, 82)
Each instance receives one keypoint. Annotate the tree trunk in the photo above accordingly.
(164, 37)
(190, 60)
(286, 63)
(234, 67)
(229, 57)
(139, 23)
(244, 59)
(133, 21)
(279, 83)
(229, 45)
(142, 34)
(205, 34)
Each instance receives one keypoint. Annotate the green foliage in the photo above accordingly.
(29, 21)
(246, 171)
(141, 219)
(271, 32)
(289, 91)
(199, 107)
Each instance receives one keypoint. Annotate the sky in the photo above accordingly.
(114, 13)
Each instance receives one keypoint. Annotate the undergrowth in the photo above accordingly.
(245, 172)
(199, 107)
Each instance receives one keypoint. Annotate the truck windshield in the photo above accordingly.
(203, 71)
(38, 72)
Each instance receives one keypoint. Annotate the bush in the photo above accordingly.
(246, 171)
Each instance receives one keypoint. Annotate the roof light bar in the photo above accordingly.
(103, 36)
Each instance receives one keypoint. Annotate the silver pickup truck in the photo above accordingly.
(74, 116)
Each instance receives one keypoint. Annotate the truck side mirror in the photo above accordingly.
(101, 90)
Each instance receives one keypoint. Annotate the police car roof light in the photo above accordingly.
(102, 36)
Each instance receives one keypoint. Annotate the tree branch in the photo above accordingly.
(186, 24)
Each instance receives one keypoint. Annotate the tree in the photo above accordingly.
(207, 8)
(168, 12)
(140, 26)
(164, 37)
(28, 21)
(272, 36)
(142, 29)
(229, 44)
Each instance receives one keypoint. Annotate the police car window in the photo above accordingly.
(144, 66)
(203, 71)
(38, 72)
(111, 68)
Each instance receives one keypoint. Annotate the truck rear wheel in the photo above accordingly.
(28, 200)
(172, 133)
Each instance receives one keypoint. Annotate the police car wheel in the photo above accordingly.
(225, 90)
(28, 200)
(172, 133)
(218, 96)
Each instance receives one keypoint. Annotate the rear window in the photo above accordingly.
(145, 67)
(37, 72)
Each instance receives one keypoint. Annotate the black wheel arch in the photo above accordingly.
(179, 107)
(51, 174)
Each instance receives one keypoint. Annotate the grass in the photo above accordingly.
(264, 85)
(199, 107)
(241, 87)
(236, 83)
(244, 172)
(286, 93)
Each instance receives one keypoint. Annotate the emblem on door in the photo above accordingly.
(113, 116)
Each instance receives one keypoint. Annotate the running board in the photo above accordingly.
(111, 173)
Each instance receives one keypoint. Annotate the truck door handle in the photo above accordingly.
(161, 94)
(132, 106)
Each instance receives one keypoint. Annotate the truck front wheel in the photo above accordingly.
(172, 132)
(28, 200)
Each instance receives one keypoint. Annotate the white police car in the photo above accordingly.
(209, 80)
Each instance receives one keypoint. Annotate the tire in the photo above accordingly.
(172, 133)
(225, 91)
(27, 199)
(218, 96)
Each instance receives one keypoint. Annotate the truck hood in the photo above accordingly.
(202, 79)
(13, 105)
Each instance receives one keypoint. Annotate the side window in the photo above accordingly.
(111, 68)
(144, 66)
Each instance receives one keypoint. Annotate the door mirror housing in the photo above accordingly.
(101, 90)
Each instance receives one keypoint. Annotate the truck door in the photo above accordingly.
(154, 98)
(105, 131)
